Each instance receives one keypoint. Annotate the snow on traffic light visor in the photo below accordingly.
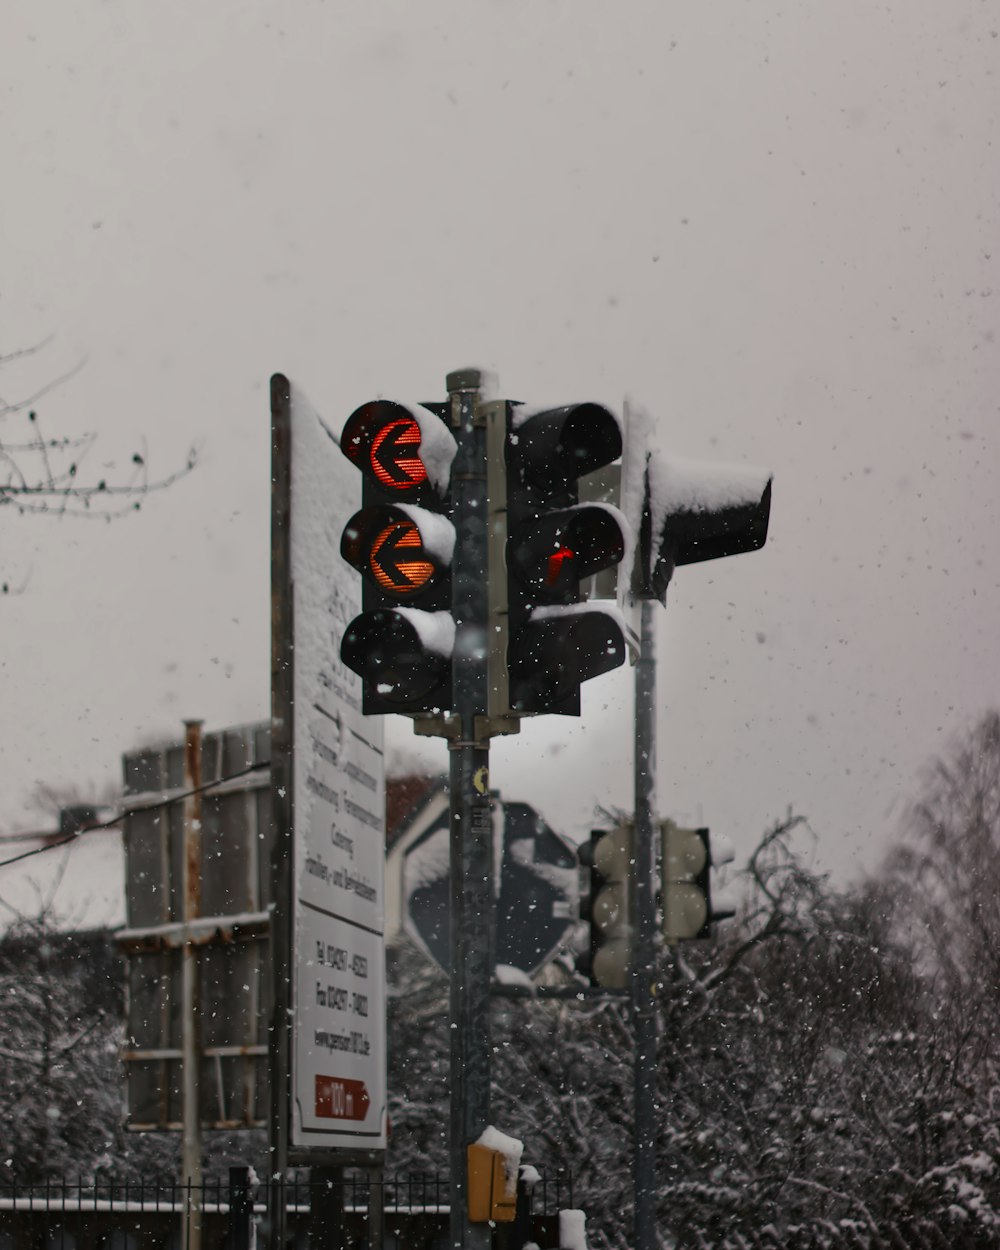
(402, 550)
(405, 450)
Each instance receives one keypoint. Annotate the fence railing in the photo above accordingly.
(152, 1213)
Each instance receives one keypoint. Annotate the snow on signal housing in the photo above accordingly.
(555, 643)
(405, 449)
(560, 445)
(403, 657)
(404, 550)
(557, 649)
(401, 541)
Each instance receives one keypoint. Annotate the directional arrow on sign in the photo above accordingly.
(394, 454)
(398, 559)
(340, 1098)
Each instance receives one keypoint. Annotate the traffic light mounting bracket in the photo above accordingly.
(492, 414)
(499, 719)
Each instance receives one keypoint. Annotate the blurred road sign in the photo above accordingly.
(233, 934)
(535, 883)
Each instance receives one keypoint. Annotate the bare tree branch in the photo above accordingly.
(41, 474)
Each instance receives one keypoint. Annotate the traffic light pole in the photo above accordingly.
(644, 949)
(470, 833)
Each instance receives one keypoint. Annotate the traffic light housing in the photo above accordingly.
(610, 855)
(686, 869)
(554, 641)
(401, 542)
(694, 512)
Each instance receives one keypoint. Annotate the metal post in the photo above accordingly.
(376, 1207)
(190, 1005)
(282, 686)
(470, 834)
(326, 1209)
(644, 913)
(240, 1208)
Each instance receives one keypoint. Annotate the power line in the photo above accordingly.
(148, 807)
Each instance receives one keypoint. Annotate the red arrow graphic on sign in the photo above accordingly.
(338, 1098)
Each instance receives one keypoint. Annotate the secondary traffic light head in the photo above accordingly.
(553, 542)
(401, 541)
(694, 512)
(610, 855)
(688, 911)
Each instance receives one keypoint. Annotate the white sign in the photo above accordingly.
(338, 953)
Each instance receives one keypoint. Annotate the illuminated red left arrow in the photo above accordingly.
(338, 1098)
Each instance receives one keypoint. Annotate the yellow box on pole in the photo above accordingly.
(491, 1194)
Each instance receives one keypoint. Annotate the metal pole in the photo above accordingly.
(190, 1006)
(376, 1207)
(644, 913)
(326, 1208)
(470, 833)
(240, 1208)
(282, 744)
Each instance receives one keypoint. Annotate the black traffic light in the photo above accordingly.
(686, 869)
(610, 856)
(694, 512)
(401, 543)
(553, 542)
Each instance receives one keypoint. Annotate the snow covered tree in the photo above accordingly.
(946, 873)
(419, 1061)
(811, 1077)
(60, 1026)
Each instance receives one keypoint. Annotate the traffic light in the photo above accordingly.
(553, 542)
(611, 858)
(401, 542)
(687, 862)
(694, 512)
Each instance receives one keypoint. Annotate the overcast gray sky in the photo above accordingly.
(773, 225)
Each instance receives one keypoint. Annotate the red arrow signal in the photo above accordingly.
(389, 546)
(338, 1098)
(393, 457)
(397, 560)
(406, 452)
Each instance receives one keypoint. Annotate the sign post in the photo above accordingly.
(470, 835)
(327, 1057)
(689, 513)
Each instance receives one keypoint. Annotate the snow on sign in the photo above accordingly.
(334, 786)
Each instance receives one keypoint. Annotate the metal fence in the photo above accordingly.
(152, 1214)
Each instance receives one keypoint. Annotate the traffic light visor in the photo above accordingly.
(686, 909)
(402, 550)
(403, 448)
(565, 443)
(557, 649)
(402, 655)
(551, 555)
